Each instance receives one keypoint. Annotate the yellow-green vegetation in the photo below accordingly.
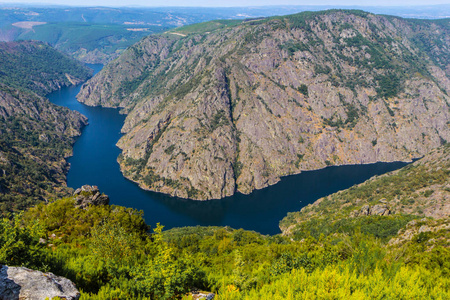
(419, 189)
(110, 253)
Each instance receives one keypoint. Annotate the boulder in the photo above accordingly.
(376, 210)
(25, 284)
(365, 210)
(89, 195)
(380, 210)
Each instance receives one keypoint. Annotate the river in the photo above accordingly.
(94, 162)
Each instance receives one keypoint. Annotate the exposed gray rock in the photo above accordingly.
(424, 228)
(25, 284)
(376, 210)
(238, 108)
(89, 195)
(203, 296)
(365, 210)
(380, 210)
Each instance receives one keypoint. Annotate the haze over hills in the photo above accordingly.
(101, 14)
(228, 106)
(100, 34)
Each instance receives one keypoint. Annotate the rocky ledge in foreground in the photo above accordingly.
(25, 284)
(89, 195)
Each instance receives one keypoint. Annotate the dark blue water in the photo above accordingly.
(94, 162)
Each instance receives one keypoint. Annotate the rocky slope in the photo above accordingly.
(35, 135)
(420, 189)
(231, 106)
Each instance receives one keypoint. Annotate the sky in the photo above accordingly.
(228, 3)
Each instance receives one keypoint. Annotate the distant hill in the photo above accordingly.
(100, 34)
(37, 67)
(35, 135)
(89, 42)
(231, 106)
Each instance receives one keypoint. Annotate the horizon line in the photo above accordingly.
(203, 6)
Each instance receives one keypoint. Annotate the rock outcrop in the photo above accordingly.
(235, 107)
(375, 210)
(19, 283)
(89, 195)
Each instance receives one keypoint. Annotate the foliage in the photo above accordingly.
(35, 135)
(291, 47)
(342, 283)
(33, 144)
(19, 245)
(408, 191)
(71, 37)
(110, 254)
(382, 227)
(37, 66)
(389, 85)
(166, 275)
(106, 249)
(207, 27)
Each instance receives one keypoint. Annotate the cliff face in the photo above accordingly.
(232, 106)
(35, 135)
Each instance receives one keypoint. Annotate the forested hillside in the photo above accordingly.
(37, 67)
(35, 135)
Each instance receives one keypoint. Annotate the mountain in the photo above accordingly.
(100, 34)
(232, 106)
(419, 189)
(87, 42)
(35, 135)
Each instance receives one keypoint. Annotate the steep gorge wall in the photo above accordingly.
(235, 108)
